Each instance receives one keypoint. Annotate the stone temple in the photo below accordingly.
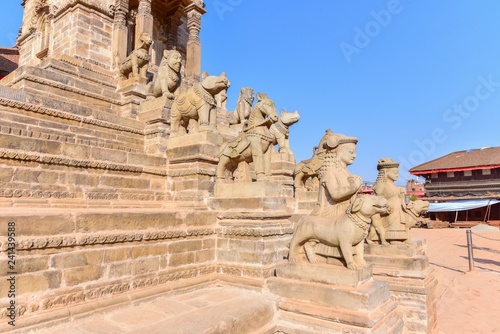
(124, 178)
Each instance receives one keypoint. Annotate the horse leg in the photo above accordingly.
(267, 161)
(257, 158)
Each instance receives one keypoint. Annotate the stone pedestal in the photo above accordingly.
(305, 200)
(134, 92)
(192, 163)
(405, 268)
(282, 165)
(255, 230)
(321, 298)
(156, 114)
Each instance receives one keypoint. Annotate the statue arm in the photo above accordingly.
(340, 191)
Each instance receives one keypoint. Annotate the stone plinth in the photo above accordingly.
(332, 299)
(134, 92)
(192, 163)
(305, 200)
(156, 114)
(282, 165)
(250, 244)
(405, 268)
(249, 196)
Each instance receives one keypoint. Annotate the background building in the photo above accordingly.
(464, 175)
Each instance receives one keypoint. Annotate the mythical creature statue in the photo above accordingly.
(393, 226)
(310, 168)
(137, 62)
(343, 235)
(168, 80)
(280, 130)
(197, 107)
(243, 107)
(338, 225)
(253, 143)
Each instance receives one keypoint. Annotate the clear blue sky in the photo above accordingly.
(412, 79)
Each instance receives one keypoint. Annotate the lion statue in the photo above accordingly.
(197, 107)
(310, 168)
(137, 62)
(168, 80)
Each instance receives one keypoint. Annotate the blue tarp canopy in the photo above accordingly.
(461, 205)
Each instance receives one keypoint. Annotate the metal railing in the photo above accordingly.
(470, 247)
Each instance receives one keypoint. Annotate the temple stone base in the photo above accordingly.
(305, 200)
(192, 162)
(249, 196)
(156, 114)
(332, 299)
(405, 268)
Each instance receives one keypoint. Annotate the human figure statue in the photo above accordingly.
(168, 80)
(337, 184)
(243, 107)
(395, 224)
(137, 62)
(339, 224)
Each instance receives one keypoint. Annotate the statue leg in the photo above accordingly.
(378, 224)
(221, 167)
(310, 253)
(346, 249)
(297, 182)
(359, 258)
(267, 161)
(257, 158)
(213, 119)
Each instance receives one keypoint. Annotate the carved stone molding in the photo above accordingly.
(61, 160)
(255, 233)
(95, 293)
(26, 243)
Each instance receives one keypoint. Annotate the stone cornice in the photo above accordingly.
(95, 5)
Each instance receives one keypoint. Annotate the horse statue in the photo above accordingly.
(197, 107)
(310, 168)
(253, 143)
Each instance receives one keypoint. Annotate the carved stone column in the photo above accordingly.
(120, 32)
(193, 55)
(144, 21)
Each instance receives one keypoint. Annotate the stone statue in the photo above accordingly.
(253, 143)
(137, 62)
(168, 80)
(338, 225)
(243, 107)
(310, 168)
(240, 150)
(281, 130)
(394, 225)
(343, 235)
(197, 107)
